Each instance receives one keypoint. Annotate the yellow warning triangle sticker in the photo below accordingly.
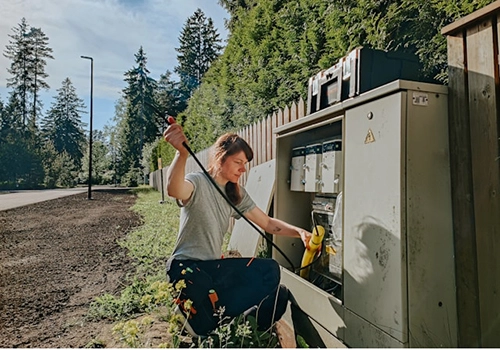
(369, 137)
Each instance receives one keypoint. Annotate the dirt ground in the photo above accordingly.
(55, 257)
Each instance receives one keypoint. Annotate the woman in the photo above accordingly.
(238, 285)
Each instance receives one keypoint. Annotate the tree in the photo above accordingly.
(117, 138)
(21, 157)
(168, 96)
(28, 50)
(111, 133)
(276, 45)
(21, 152)
(41, 51)
(234, 7)
(140, 124)
(18, 51)
(102, 160)
(63, 125)
(199, 47)
(60, 170)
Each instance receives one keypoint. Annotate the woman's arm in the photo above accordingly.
(177, 186)
(277, 226)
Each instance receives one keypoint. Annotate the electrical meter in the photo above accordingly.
(297, 169)
(331, 167)
(312, 167)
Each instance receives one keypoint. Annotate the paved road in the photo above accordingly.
(14, 199)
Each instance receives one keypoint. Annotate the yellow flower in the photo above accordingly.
(146, 300)
(118, 327)
(180, 285)
(155, 285)
(146, 321)
(187, 304)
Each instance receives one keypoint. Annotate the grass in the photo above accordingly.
(149, 297)
(152, 243)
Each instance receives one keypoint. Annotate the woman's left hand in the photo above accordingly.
(305, 236)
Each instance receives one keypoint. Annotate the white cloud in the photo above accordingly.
(110, 31)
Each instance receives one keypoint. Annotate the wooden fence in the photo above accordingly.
(259, 136)
(474, 110)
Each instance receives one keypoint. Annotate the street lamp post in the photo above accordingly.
(89, 194)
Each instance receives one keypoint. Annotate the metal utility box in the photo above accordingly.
(397, 286)
(361, 70)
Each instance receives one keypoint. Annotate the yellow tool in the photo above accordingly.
(308, 257)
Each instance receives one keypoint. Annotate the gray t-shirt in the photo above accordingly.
(204, 220)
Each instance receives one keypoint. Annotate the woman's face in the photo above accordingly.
(233, 167)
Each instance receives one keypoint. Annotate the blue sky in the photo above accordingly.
(110, 31)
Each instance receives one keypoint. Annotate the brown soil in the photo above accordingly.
(55, 258)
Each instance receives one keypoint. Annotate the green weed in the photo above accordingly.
(152, 243)
(239, 332)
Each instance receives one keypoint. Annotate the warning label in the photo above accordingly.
(369, 137)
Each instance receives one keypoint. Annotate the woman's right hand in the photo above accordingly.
(175, 136)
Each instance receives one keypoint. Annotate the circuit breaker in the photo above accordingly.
(312, 167)
(331, 167)
(297, 170)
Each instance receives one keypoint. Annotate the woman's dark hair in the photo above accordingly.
(227, 145)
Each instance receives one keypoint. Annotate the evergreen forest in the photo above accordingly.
(272, 49)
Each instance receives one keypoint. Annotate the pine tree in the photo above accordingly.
(234, 7)
(18, 51)
(168, 96)
(114, 134)
(20, 156)
(200, 45)
(63, 125)
(41, 51)
(102, 160)
(28, 50)
(140, 123)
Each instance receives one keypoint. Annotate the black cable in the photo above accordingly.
(234, 206)
(190, 151)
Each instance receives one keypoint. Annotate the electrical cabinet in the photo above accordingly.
(397, 281)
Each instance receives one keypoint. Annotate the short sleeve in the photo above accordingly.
(245, 205)
(195, 180)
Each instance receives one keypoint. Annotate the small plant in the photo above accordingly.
(239, 332)
(95, 344)
(128, 303)
(130, 332)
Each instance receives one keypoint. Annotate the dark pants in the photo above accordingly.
(239, 285)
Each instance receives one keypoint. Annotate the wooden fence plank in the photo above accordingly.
(252, 143)
(294, 112)
(269, 138)
(274, 125)
(258, 142)
(286, 115)
(482, 60)
(280, 117)
(301, 108)
(462, 196)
